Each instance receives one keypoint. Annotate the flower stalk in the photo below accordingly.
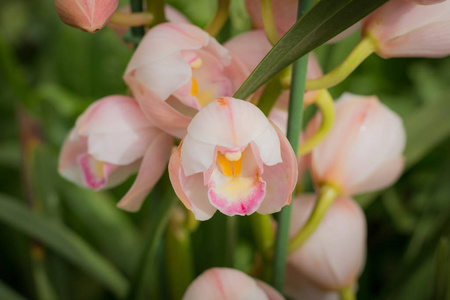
(293, 133)
(133, 19)
(219, 19)
(364, 49)
(326, 197)
(347, 293)
(269, 22)
(324, 102)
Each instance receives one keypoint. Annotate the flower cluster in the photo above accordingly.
(231, 157)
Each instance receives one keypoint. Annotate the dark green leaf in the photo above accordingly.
(62, 241)
(7, 293)
(325, 20)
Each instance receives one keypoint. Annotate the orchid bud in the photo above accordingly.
(425, 2)
(363, 150)
(298, 287)
(229, 284)
(334, 255)
(177, 70)
(111, 140)
(87, 15)
(403, 29)
(234, 160)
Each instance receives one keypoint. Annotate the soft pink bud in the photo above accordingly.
(363, 150)
(425, 2)
(229, 284)
(404, 29)
(298, 287)
(334, 255)
(234, 160)
(111, 140)
(87, 15)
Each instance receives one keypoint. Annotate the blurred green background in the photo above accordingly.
(58, 241)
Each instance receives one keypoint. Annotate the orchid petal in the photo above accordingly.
(152, 168)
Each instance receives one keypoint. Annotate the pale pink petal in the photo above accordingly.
(111, 114)
(196, 156)
(73, 147)
(121, 148)
(384, 176)
(160, 112)
(190, 189)
(152, 167)
(164, 40)
(399, 18)
(270, 292)
(280, 179)
(333, 257)
(428, 41)
(425, 2)
(224, 284)
(231, 123)
(297, 287)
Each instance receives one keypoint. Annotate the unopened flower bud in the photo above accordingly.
(87, 15)
(403, 29)
(363, 150)
(229, 284)
(334, 255)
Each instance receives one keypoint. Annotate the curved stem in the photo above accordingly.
(326, 197)
(365, 47)
(324, 102)
(269, 22)
(133, 19)
(216, 24)
(347, 293)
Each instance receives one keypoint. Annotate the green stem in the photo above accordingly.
(324, 102)
(136, 7)
(326, 197)
(293, 133)
(365, 47)
(156, 8)
(231, 228)
(144, 268)
(347, 293)
(269, 22)
(219, 19)
(262, 229)
(179, 266)
(133, 19)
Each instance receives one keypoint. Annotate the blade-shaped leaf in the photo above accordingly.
(63, 241)
(325, 20)
(8, 293)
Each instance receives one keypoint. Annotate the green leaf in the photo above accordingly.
(8, 293)
(426, 129)
(106, 223)
(325, 20)
(63, 241)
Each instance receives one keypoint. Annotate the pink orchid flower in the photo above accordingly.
(87, 15)
(404, 29)
(363, 150)
(334, 256)
(111, 140)
(229, 284)
(298, 287)
(234, 160)
(177, 70)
